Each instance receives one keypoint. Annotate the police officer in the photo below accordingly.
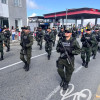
(74, 32)
(54, 31)
(48, 44)
(61, 33)
(96, 34)
(26, 43)
(88, 26)
(1, 45)
(40, 35)
(7, 35)
(87, 41)
(23, 31)
(37, 29)
(67, 47)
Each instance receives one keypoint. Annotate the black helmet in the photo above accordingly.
(68, 31)
(88, 29)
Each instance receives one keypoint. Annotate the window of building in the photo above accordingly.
(18, 3)
(4, 1)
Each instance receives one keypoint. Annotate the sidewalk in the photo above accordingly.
(14, 42)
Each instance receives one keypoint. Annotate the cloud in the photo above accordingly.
(32, 5)
(45, 8)
(34, 14)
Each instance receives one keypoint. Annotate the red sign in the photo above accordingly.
(94, 9)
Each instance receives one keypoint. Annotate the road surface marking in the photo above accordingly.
(53, 92)
(21, 61)
(67, 94)
(76, 96)
(78, 69)
(97, 96)
(56, 89)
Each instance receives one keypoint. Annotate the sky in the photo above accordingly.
(40, 7)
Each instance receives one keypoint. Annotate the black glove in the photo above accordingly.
(24, 46)
(62, 50)
(82, 39)
(97, 38)
(8, 36)
(69, 50)
(88, 40)
(21, 44)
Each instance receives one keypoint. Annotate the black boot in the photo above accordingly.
(94, 57)
(62, 83)
(83, 64)
(1, 58)
(40, 47)
(38, 43)
(65, 86)
(92, 54)
(86, 65)
(7, 50)
(53, 44)
(48, 57)
(27, 67)
(99, 49)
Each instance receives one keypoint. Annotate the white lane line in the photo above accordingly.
(53, 93)
(10, 65)
(57, 89)
(21, 61)
(78, 69)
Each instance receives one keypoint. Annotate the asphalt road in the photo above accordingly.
(42, 81)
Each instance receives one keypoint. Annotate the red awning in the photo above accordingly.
(91, 11)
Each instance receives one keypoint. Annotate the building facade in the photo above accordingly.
(37, 21)
(13, 13)
(4, 13)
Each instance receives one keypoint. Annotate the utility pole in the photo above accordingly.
(55, 18)
(66, 17)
